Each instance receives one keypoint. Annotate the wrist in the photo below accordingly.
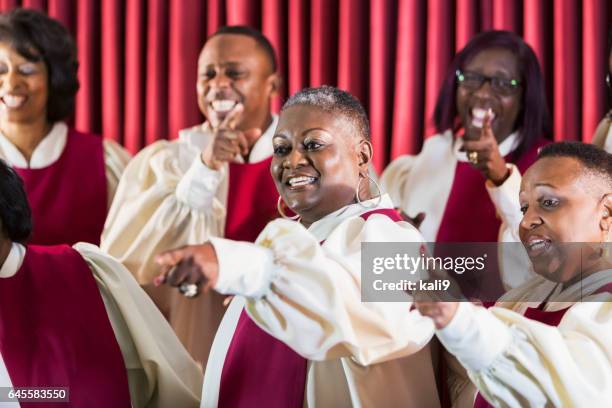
(499, 175)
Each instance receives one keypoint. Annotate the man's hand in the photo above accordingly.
(193, 264)
(228, 142)
(484, 154)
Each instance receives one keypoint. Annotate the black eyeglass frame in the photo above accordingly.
(500, 86)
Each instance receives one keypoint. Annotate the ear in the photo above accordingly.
(274, 84)
(365, 153)
(605, 222)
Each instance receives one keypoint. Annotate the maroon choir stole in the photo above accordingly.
(55, 332)
(470, 216)
(549, 318)
(69, 197)
(260, 370)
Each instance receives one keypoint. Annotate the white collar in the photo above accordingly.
(200, 135)
(323, 227)
(45, 154)
(13, 261)
(506, 147)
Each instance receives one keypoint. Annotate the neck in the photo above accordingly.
(26, 136)
(5, 249)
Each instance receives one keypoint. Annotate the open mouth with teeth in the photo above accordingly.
(222, 106)
(298, 182)
(538, 246)
(477, 116)
(13, 101)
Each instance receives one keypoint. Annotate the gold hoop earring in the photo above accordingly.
(279, 207)
(380, 193)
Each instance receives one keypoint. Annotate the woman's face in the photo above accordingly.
(473, 103)
(562, 204)
(317, 161)
(24, 89)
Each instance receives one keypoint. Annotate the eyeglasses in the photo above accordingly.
(501, 86)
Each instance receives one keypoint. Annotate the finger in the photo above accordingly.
(487, 131)
(177, 275)
(232, 118)
(252, 135)
(172, 257)
(242, 143)
(479, 145)
(418, 220)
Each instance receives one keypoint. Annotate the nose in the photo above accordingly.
(220, 81)
(295, 159)
(531, 219)
(484, 91)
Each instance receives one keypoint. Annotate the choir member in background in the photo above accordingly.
(75, 318)
(549, 341)
(70, 177)
(491, 117)
(603, 134)
(213, 181)
(296, 333)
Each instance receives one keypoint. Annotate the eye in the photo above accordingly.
(28, 69)
(281, 150)
(235, 73)
(524, 208)
(549, 203)
(208, 74)
(312, 145)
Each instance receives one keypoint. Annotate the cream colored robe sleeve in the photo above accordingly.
(308, 295)
(160, 372)
(518, 362)
(166, 198)
(116, 159)
(394, 179)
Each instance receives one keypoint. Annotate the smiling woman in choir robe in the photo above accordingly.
(491, 116)
(553, 347)
(75, 318)
(296, 333)
(70, 177)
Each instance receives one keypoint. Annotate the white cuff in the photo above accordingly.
(245, 268)
(198, 186)
(475, 336)
(506, 196)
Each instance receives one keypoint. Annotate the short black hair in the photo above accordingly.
(259, 38)
(333, 100)
(15, 212)
(592, 158)
(38, 37)
(533, 121)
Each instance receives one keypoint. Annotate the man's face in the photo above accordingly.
(232, 69)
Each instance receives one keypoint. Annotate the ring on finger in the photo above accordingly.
(473, 157)
(189, 290)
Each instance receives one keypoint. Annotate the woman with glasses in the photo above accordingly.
(491, 116)
(603, 134)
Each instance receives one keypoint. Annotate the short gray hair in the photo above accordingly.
(333, 100)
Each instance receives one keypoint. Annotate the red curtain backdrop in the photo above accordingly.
(138, 57)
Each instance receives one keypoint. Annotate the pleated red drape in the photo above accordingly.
(138, 57)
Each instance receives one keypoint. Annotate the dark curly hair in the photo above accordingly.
(259, 38)
(38, 37)
(533, 121)
(15, 212)
(333, 100)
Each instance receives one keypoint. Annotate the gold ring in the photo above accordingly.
(473, 157)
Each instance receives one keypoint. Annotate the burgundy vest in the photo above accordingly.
(69, 197)
(549, 318)
(261, 371)
(54, 330)
(470, 216)
(251, 200)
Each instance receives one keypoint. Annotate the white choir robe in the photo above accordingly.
(160, 372)
(168, 198)
(51, 148)
(423, 183)
(308, 295)
(519, 362)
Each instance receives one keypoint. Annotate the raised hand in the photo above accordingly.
(229, 143)
(484, 154)
(193, 264)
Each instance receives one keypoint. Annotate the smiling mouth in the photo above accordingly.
(478, 116)
(222, 106)
(298, 182)
(537, 247)
(13, 101)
